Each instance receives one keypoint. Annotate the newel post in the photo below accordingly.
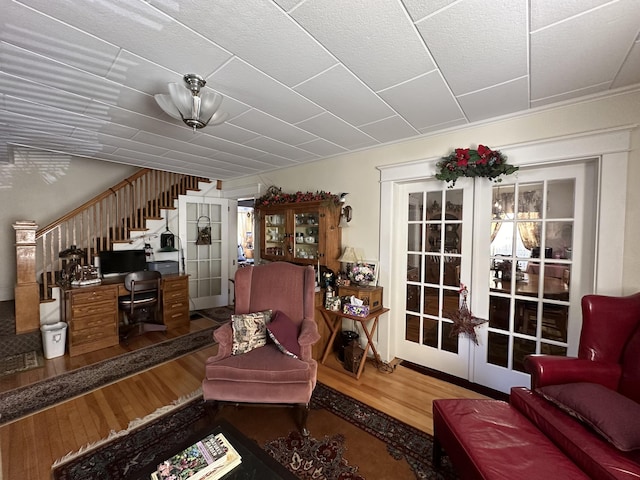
(27, 291)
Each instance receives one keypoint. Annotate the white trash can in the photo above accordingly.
(54, 337)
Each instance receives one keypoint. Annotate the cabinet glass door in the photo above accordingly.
(275, 235)
(306, 235)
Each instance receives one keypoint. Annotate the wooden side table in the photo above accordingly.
(333, 320)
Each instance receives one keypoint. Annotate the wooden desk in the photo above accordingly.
(334, 322)
(93, 316)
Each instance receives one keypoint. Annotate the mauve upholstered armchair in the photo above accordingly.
(265, 375)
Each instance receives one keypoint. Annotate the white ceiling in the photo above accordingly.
(302, 80)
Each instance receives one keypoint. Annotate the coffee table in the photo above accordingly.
(256, 463)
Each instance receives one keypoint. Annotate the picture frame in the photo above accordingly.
(373, 265)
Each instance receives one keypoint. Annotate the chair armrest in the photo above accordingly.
(224, 337)
(556, 370)
(308, 337)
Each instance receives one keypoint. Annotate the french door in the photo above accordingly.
(204, 227)
(521, 247)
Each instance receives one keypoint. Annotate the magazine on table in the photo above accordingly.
(209, 459)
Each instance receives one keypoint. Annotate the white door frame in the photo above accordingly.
(611, 148)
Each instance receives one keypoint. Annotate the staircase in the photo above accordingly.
(110, 218)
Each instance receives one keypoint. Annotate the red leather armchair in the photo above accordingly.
(609, 350)
(265, 375)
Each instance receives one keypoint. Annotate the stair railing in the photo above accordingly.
(107, 219)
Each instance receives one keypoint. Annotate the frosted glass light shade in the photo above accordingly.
(193, 106)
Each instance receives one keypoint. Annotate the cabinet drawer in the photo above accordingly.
(93, 296)
(93, 334)
(173, 284)
(176, 306)
(176, 318)
(174, 296)
(94, 308)
(93, 321)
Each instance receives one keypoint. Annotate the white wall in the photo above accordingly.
(42, 187)
(357, 174)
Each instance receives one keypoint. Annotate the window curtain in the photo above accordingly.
(529, 207)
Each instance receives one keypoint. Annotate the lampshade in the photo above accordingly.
(192, 105)
(349, 256)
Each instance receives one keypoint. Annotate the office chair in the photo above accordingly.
(141, 307)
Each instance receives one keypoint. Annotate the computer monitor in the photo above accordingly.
(121, 262)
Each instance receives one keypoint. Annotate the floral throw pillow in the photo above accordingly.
(249, 331)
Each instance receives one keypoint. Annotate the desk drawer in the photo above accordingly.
(92, 296)
(94, 334)
(173, 284)
(174, 296)
(176, 318)
(94, 308)
(93, 321)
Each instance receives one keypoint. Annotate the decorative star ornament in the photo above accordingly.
(464, 322)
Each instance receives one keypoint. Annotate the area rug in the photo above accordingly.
(217, 314)
(349, 441)
(26, 400)
(20, 363)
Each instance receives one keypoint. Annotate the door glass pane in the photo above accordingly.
(433, 266)
(416, 206)
(531, 246)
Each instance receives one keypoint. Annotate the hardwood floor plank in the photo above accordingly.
(30, 445)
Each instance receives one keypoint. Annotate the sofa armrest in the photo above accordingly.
(556, 370)
(308, 337)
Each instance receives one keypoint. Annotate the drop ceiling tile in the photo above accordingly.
(548, 12)
(419, 9)
(496, 101)
(224, 145)
(230, 132)
(629, 74)
(322, 147)
(141, 29)
(276, 161)
(344, 95)
(141, 74)
(424, 101)
(443, 126)
(564, 96)
(53, 39)
(244, 83)
(366, 40)
(585, 51)
(204, 161)
(279, 148)
(171, 144)
(336, 130)
(390, 129)
(482, 56)
(257, 121)
(266, 37)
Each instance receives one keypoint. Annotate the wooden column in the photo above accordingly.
(27, 291)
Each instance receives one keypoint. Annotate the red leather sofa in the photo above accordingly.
(579, 419)
(600, 386)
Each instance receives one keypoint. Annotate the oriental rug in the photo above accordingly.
(349, 441)
(20, 363)
(26, 400)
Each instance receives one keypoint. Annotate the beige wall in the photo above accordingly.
(42, 187)
(356, 173)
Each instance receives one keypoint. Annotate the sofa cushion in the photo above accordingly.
(284, 332)
(612, 415)
(249, 331)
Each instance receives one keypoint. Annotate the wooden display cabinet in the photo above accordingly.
(304, 233)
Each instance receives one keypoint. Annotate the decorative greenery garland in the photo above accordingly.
(275, 196)
(465, 162)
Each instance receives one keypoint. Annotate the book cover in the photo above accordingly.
(233, 460)
(194, 461)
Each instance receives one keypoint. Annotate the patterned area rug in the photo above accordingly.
(349, 441)
(31, 398)
(20, 363)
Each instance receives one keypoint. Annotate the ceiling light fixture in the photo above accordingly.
(190, 104)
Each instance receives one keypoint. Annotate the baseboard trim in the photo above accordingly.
(460, 382)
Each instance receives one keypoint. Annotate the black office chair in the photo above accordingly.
(141, 307)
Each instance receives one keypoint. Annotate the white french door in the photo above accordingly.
(437, 241)
(523, 249)
(533, 261)
(207, 261)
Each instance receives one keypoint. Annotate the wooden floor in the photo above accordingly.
(29, 446)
